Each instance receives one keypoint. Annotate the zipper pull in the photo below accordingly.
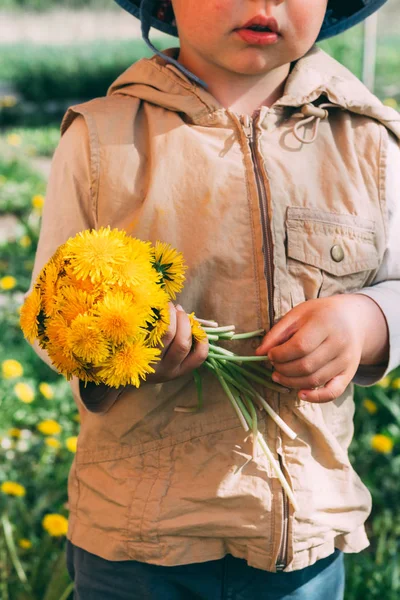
(247, 123)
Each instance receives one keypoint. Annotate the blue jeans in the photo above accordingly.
(229, 578)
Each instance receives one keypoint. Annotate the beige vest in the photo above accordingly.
(168, 162)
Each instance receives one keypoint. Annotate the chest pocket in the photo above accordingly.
(328, 253)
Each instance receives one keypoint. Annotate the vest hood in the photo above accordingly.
(157, 81)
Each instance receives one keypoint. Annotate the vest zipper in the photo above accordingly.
(249, 130)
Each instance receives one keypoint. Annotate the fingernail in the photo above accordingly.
(179, 307)
(302, 395)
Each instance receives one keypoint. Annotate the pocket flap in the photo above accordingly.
(318, 238)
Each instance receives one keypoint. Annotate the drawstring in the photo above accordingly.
(308, 114)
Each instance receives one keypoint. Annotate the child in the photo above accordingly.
(273, 169)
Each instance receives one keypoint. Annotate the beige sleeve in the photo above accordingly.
(67, 210)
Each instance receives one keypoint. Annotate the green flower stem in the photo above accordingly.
(250, 334)
(261, 370)
(241, 358)
(224, 329)
(12, 549)
(212, 337)
(228, 335)
(199, 387)
(206, 323)
(261, 380)
(231, 398)
(236, 375)
(219, 350)
(67, 592)
(253, 412)
(277, 469)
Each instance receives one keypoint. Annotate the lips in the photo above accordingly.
(261, 24)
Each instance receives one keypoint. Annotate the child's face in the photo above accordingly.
(209, 32)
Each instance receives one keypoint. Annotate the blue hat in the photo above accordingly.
(340, 15)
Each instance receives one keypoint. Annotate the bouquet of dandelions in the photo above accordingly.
(99, 308)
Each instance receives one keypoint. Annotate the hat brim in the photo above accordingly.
(332, 25)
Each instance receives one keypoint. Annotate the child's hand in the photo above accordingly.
(320, 344)
(177, 358)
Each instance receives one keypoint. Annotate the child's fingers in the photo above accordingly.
(317, 379)
(195, 358)
(306, 340)
(307, 365)
(169, 336)
(330, 391)
(181, 344)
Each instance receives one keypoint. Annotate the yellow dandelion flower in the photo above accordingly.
(11, 368)
(24, 392)
(120, 319)
(38, 201)
(95, 254)
(14, 432)
(49, 427)
(56, 525)
(370, 406)
(8, 101)
(3, 180)
(149, 295)
(11, 488)
(65, 363)
(385, 382)
(71, 443)
(73, 302)
(8, 282)
(87, 341)
(52, 442)
(136, 269)
(57, 332)
(197, 331)
(49, 287)
(382, 443)
(77, 418)
(13, 139)
(29, 315)
(158, 327)
(46, 390)
(129, 363)
(396, 384)
(24, 543)
(25, 241)
(170, 263)
(85, 285)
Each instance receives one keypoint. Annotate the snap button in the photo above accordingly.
(337, 253)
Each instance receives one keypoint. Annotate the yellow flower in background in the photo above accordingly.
(56, 525)
(11, 488)
(392, 102)
(385, 382)
(197, 331)
(38, 201)
(396, 383)
(24, 392)
(170, 263)
(11, 368)
(8, 282)
(3, 179)
(8, 101)
(24, 543)
(382, 443)
(13, 139)
(52, 442)
(25, 241)
(77, 418)
(49, 427)
(370, 406)
(46, 390)
(72, 443)
(29, 314)
(14, 432)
